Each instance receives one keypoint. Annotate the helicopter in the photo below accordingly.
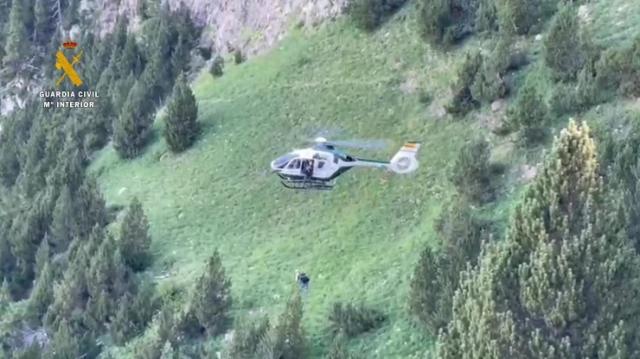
(318, 166)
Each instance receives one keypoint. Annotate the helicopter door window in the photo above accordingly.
(320, 164)
(295, 164)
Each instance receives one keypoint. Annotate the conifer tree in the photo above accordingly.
(444, 22)
(435, 278)
(247, 338)
(288, 336)
(519, 16)
(121, 328)
(217, 66)
(90, 208)
(43, 21)
(130, 60)
(563, 46)
(471, 173)
(65, 344)
(63, 227)
(338, 349)
(134, 237)
(70, 13)
(168, 351)
(181, 120)
(42, 255)
(463, 101)
(17, 39)
(211, 299)
(180, 56)
(133, 126)
(565, 282)
(5, 295)
(530, 114)
(42, 293)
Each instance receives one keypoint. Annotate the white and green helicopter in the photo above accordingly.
(317, 167)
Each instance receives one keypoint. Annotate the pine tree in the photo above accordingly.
(211, 299)
(181, 126)
(16, 46)
(134, 237)
(444, 22)
(42, 294)
(90, 208)
(133, 126)
(463, 101)
(121, 328)
(437, 273)
(43, 21)
(288, 337)
(471, 173)
(130, 60)
(5, 295)
(70, 13)
(217, 66)
(530, 114)
(65, 344)
(180, 56)
(519, 16)
(338, 349)
(120, 89)
(63, 227)
(434, 20)
(247, 338)
(42, 255)
(563, 46)
(168, 351)
(565, 282)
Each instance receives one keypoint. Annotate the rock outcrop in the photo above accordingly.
(251, 25)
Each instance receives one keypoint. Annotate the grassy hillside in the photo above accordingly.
(361, 240)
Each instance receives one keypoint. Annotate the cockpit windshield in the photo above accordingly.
(280, 162)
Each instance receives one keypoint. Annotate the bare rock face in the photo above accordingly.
(251, 25)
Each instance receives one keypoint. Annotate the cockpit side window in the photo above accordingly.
(295, 164)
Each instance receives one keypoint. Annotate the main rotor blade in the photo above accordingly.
(363, 144)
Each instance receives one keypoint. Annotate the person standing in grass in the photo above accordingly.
(303, 281)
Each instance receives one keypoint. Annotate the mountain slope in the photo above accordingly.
(358, 242)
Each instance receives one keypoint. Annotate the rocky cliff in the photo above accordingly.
(252, 25)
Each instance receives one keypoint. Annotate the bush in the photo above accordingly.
(217, 66)
(369, 14)
(238, 56)
(619, 70)
(486, 16)
(445, 22)
(530, 114)
(523, 16)
(353, 320)
(463, 101)
(472, 172)
(563, 47)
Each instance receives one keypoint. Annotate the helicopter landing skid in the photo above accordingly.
(308, 184)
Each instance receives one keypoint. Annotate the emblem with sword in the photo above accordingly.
(67, 67)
